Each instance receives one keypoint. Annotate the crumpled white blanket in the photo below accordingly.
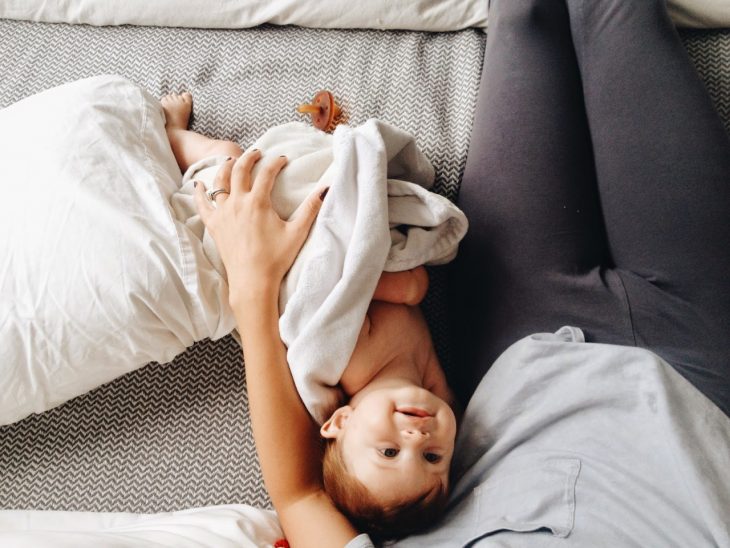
(378, 215)
(230, 526)
(97, 278)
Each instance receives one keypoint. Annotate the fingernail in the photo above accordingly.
(195, 184)
(324, 193)
(282, 156)
(229, 158)
(254, 150)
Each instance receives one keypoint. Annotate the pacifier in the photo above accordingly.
(323, 110)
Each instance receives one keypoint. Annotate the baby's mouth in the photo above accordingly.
(414, 412)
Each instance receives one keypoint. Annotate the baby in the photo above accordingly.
(386, 462)
(388, 451)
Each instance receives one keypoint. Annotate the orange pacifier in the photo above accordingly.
(323, 111)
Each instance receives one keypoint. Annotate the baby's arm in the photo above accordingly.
(399, 288)
(407, 287)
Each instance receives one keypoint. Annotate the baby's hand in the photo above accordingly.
(407, 287)
(257, 247)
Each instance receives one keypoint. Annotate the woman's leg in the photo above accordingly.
(531, 260)
(663, 170)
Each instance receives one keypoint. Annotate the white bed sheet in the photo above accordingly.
(229, 526)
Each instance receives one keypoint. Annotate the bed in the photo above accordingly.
(176, 436)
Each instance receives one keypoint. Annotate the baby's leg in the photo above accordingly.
(189, 146)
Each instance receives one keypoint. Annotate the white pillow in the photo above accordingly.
(97, 278)
(700, 13)
(427, 15)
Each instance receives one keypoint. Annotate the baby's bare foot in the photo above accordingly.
(177, 108)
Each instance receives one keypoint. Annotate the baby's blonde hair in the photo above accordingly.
(355, 501)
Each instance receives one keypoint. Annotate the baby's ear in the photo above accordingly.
(333, 426)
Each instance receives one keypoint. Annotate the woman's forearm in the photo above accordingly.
(286, 436)
(257, 248)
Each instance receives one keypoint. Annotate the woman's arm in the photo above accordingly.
(287, 439)
(258, 248)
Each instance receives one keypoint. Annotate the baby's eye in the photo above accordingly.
(389, 452)
(432, 457)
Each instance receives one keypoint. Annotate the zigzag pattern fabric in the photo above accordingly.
(177, 435)
(710, 53)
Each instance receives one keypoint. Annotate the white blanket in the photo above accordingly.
(378, 215)
(427, 15)
(231, 526)
(97, 278)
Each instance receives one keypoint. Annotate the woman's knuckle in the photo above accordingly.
(259, 202)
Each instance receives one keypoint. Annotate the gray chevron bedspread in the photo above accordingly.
(177, 435)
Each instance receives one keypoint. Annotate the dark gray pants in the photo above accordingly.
(598, 191)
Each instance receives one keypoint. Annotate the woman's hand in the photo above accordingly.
(257, 247)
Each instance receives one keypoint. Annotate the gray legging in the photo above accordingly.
(598, 191)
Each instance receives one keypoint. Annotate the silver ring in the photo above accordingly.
(214, 192)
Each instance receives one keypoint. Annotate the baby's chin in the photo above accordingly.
(418, 401)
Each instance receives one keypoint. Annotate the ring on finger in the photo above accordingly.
(212, 193)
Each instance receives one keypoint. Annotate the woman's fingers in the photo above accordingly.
(241, 173)
(265, 178)
(205, 207)
(223, 181)
(253, 241)
(306, 213)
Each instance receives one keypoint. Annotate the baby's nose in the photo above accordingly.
(415, 433)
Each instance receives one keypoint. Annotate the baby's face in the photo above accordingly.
(399, 442)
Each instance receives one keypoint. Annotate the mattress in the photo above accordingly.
(177, 435)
